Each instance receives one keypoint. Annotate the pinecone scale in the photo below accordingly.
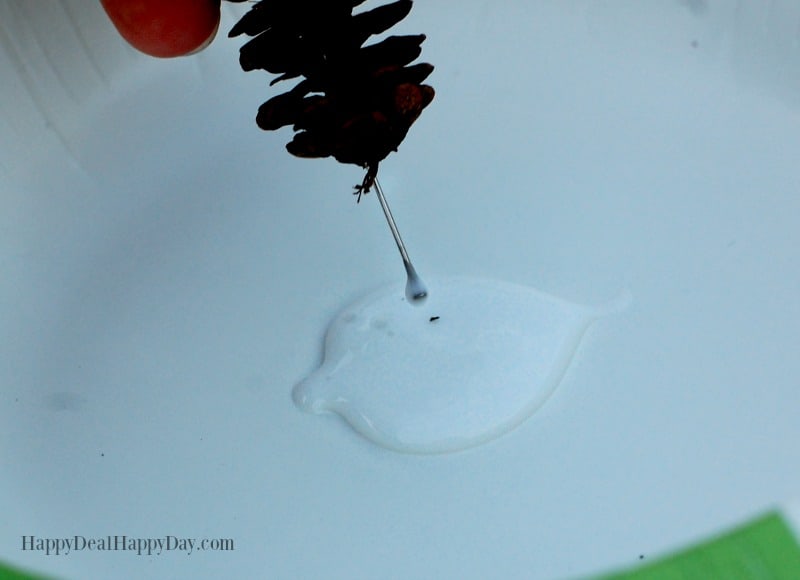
(354, 102)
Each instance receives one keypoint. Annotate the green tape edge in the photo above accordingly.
(762, 549)
(8, 572)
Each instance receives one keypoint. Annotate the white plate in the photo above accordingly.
(168, 272)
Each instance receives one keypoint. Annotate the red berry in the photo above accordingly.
(165, 28)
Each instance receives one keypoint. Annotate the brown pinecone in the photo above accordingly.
(353, 102)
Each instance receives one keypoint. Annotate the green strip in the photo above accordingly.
(763, 549)
(10, 573)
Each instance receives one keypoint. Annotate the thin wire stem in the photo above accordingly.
(392, 225)
(416, 291)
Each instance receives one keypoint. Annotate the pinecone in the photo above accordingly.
(355, 103)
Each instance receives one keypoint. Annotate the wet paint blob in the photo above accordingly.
(416, 292)
(469, 364)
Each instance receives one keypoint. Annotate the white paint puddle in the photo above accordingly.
(471, 363)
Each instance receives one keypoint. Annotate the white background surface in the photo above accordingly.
(168, 272)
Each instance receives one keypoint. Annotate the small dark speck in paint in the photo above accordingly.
(434, 318)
